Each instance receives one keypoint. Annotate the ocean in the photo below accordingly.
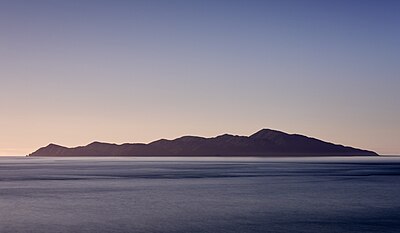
(188, 195)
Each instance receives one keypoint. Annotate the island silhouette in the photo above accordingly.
(266, 142)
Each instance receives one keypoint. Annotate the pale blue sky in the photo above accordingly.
(134, 71)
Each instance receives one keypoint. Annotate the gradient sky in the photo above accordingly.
(77, 71)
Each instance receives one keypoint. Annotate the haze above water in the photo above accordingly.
(199, 194)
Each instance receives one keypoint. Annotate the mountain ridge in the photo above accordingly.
(265, 142)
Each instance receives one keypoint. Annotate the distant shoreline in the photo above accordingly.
(206, 156)
(263, 143)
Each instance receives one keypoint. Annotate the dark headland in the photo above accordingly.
(265, 142)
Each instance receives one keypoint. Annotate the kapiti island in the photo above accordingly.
(265, 142)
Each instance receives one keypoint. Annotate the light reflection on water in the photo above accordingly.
(212, 194)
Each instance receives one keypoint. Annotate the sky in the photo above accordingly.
(77, 71)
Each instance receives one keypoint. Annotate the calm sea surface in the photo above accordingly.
(185, 195)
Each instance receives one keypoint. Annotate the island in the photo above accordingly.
(266, 142)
